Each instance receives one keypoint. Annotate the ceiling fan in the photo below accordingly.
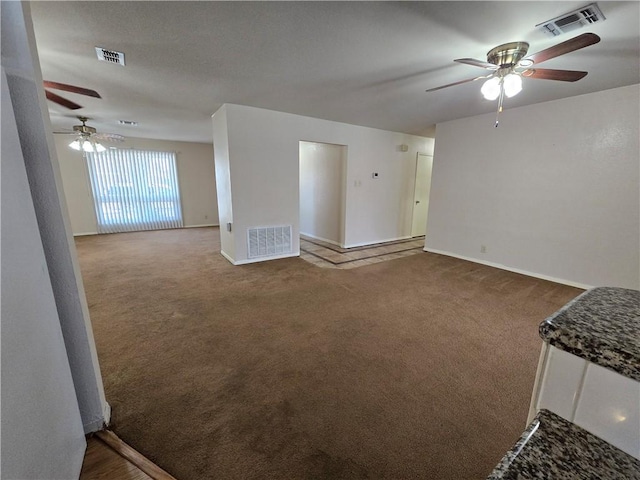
(508, 64)
(87, 137)
(67, 88)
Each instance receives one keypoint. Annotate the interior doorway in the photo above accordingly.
(424, 164)
(322, 191)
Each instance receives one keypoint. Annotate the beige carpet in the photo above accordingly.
(420, 367)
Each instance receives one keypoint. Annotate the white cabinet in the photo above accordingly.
(595, 398)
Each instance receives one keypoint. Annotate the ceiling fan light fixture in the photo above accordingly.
(75, 144)
(491, 88)
(100, 148)
(509, 62)
(512, 85)
(87, 146)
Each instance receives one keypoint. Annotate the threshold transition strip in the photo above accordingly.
(326, 255)
(109, 457)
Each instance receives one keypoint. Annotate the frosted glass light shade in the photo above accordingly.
(512, 84)
(491, 88)
(87, 145)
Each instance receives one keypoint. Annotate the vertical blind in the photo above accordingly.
(135, 190)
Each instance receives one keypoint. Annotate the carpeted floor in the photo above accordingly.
(419, 367)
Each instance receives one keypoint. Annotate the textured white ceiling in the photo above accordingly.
(364, 63)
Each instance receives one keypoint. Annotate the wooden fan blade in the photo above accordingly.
(477, 63)
(71, 88)
(458, 83)
(61, 101)
(550, 74)
(570, 45)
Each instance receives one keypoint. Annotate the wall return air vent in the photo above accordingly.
(572, 20)
(110, 56)
(268, 241)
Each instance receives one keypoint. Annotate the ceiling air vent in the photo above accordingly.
(572, 20)
(110, 56)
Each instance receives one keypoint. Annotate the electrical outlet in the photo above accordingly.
(483, 249)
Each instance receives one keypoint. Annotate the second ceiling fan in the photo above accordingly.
(54, 97)
(87, 138)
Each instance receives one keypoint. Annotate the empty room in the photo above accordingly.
(339, 240)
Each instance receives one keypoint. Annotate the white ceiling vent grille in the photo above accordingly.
(269, 241)
(110, 56)
(572, 20)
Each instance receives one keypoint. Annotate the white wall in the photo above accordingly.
(196, 176)
(42, 431)
(264, 174)
(24, 81)
(553, 191)
(322, 172)
(223, 182)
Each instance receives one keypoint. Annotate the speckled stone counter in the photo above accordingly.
(553, 448)
(602, 326)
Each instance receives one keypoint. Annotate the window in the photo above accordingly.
(135, 190)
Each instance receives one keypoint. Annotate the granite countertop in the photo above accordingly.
(602, 326)
(553, 448)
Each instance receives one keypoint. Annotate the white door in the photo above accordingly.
(424, 163)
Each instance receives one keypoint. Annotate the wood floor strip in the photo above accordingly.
(380, 251)
(339, 249)
(341, 262)
(101, 462)
(139, 460)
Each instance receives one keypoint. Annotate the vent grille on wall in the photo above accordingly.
(572, 20)
(110, 56)
(269, 241)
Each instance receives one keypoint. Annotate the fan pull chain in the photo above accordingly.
(500, 100)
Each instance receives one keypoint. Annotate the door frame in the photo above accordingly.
(415, 184)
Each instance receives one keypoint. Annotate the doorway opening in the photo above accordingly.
(322, 191)
(424, 165)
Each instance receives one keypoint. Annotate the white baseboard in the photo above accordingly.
(98, 424)
(107, 413)
(203, 225)
(332, 242)
(260, 259)
(364, 244)
(511, 269)
(228, 257)
(81, 234)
